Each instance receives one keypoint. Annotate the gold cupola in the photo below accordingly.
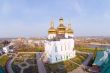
(69, 29)
(61, 28)
(52, 30)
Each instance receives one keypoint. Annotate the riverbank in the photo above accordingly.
(103, 46)
(99, 44)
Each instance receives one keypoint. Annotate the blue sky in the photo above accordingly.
(31, 18)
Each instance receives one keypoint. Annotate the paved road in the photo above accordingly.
(82, 52)
(40, 64)
(26, 52)
(8, 65)
(78, 70)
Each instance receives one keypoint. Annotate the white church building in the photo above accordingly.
(60, 43)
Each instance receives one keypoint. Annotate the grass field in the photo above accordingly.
(3, 60)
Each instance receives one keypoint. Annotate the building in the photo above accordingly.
(60, 43)
(101, 63)
(8, 49)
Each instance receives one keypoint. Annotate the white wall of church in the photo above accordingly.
(61, 50)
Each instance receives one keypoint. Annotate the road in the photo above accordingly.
(80, 52)
(40, 64)
(8, 65)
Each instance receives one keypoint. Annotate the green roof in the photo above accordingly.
(98, 60)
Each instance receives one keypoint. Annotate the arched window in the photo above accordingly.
(69, 55)
(66, 57)
(61, 58)
(61, 48)
(56, 49)
(56, 58)
(65, 48)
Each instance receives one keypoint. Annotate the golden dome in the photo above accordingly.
(61, 28)
(52, 30)
(69, 30)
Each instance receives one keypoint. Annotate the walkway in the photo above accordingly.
(8, 65)
(40, 64)
(78, 70)
(80, 52)
(26, 52)
(23, 67)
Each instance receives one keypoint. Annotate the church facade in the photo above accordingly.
(60, 43)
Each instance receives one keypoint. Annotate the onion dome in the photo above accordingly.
(52, 30)
(61, 28)
(69, 29)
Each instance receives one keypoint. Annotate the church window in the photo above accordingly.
(69, 55)
(61, 58)
(61, 48)
(65, 47)
(66, 57)
(56, 58)
(56, 49)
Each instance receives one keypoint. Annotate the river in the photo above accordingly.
(99, 46)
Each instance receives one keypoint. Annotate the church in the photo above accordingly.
(59, 45)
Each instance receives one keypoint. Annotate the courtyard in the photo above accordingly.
(25, 63)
